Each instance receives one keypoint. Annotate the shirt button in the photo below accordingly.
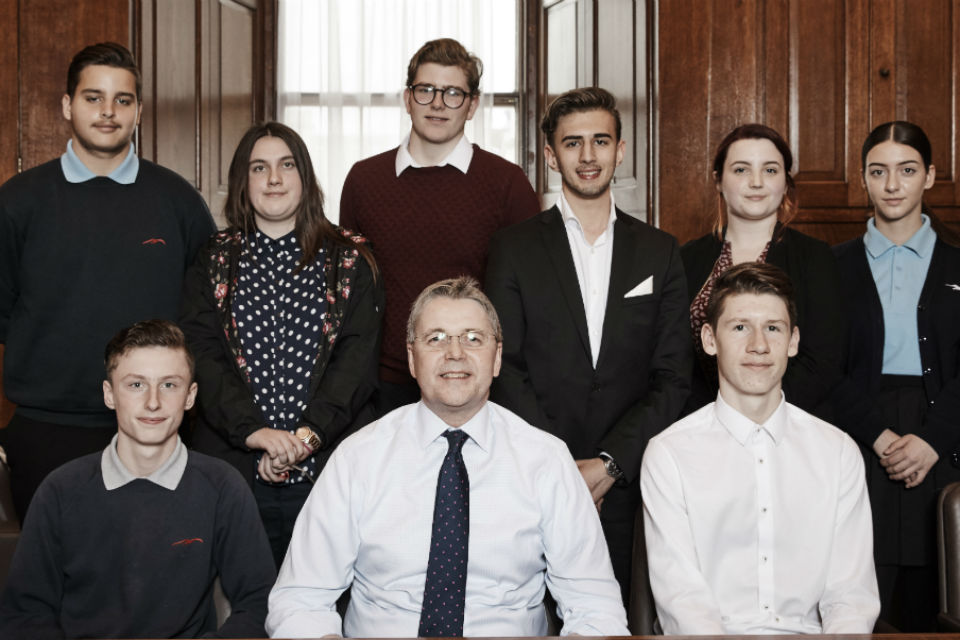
(763, 509)
(766, 606)
(927, 371)
(923, 338)
(760, 460)
(763, 559)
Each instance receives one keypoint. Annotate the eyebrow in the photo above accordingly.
(101, 92)
(747, 162)
(898, 164)
(256, 160)
(595, 135)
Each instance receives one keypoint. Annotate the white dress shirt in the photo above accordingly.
(592, 262)
(755, 529)
(368, 523)
(459, 158)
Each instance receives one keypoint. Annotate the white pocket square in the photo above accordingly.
(645, 288)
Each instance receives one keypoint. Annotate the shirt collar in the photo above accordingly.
(168, 475)
(741, 427)
(430, 427)
(921, 242)
(569, 218)
(459, 158)
(75, 171)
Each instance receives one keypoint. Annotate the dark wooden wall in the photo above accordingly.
(208, 71)
(821, 72)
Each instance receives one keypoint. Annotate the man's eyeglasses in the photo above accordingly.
(439, 340)
(452, 96)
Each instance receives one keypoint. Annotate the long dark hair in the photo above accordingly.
(754, 131)
(311, 226)
(912, 135)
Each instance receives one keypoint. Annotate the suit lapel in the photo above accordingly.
(627, 269)
(558, 249)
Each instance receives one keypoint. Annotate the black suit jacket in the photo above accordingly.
(938, 324)
(643, 370)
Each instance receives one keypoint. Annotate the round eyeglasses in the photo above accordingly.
(452, 96)
(439, 340)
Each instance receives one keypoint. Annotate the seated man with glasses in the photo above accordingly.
(448, 517)
(430, 205)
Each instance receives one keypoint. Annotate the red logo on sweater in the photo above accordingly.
(154, 241)
(186, 541)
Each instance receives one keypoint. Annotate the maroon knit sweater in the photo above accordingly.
(429, 224)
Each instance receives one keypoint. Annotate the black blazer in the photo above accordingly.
(642, 376)
(817, 368)
(938, 324)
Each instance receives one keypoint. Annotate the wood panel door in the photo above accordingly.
(821, 72)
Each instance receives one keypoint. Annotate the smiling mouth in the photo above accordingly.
(589, 174)
(455, 375)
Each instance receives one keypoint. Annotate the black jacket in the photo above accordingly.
(938, 325)
(643, 370)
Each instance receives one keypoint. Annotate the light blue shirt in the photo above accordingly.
(899, 273)
(75, 171)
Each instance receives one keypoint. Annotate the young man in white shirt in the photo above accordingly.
(756, 513)
(610, 289)
(501, 508)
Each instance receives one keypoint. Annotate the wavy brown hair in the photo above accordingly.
(311, 226)
(753, 131)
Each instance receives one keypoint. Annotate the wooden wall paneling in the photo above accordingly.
(172, 128)
(229, 49)
(237, 85)
(9, 99)
(50, 33)
(857, 110)
(926, 85)
(710, 80)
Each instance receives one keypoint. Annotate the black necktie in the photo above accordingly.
(445, 591)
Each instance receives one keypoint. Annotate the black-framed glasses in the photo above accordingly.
(453, 97)
(439, 340)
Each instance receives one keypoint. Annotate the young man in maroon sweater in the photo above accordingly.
(430, 206)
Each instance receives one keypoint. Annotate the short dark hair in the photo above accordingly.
(577, 101)
(149, 333)
(462, 288)
(109, 54)
(756, 278)
(449, 53)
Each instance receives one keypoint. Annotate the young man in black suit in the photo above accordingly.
(596, 348)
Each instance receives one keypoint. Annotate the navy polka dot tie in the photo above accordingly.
(445, 591)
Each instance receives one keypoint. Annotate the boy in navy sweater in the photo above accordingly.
(128, 542)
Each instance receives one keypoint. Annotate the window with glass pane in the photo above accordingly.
(343, 65)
